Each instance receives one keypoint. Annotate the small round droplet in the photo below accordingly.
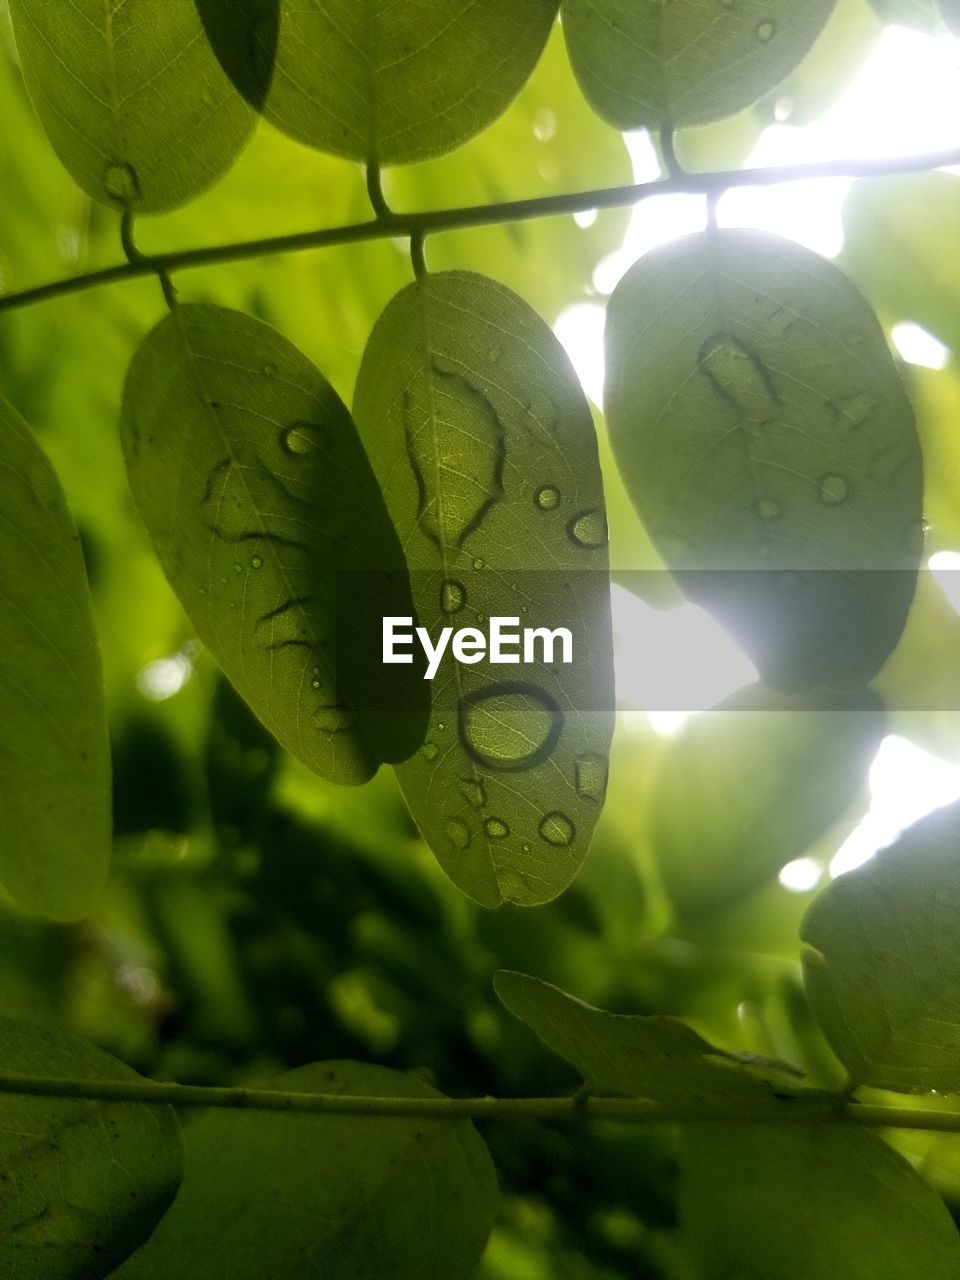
(256, 563)
(269, 370)
(765, 31)
(474, 792)
(481, 618)
(332, 719)
(496, 829)
(452, 596)
(479, 564)
(318, 671)
(493, 355)
(120, 182)
(429, 751)
(548, 498)
(590, 778)
(457, 832)
(834, 489)
(315, 683)
(556, 828)
(588, 529)
(767, 509)
(301, 437)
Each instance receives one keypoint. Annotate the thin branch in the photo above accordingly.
(818, 1109)
(437, 220)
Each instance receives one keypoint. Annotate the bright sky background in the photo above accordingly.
(904, 100)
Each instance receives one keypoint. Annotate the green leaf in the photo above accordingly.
(752, 784)
(251, 479)
(810, 1202)
(484, 443)
(883, 968)
(645, 64)
(131, 96)
(54, 752)
(761, 427)
(390, 83)
(84, 1183)
(923, 15)
(327, 1197)
(649, 1057)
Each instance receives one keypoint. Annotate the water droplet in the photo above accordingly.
(237, 567)
(120, 182)
(509, 726)
(332, 719)
(429, 751)
(853, 411)
(496, 829)
(481, 617)
(556, 828)
(441, 726)
(457, 832)
(589, 529)
(738, 376)
(590, 778)
(767, 509)
(256, 563)
(474, 792)
(452, 595)
(834, 489)
(318, 671)
(301, 437)
(525, 847)
(548, 498)
(269, 370)
(493, 355)
(479, 564)
(315, 683)
(765, 31)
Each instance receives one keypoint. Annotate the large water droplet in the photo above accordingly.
(453, 596)
(765, 31)
(590, 778)
(509, 726)
(496, 829)
(767, 509)
(588, 529)
(120, 182)
(548, 498)
(333, 719)
(301, 437)
(834, 489)
(457, 832)
(556, 828)
(474, 792)
(739, 377)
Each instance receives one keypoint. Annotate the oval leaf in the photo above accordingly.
(761, 427)
(84, 1182)
(251, 479)
(883, 970)
(390, 83)
(649, 1057)
(810, 1202)
(131, 96)
(752, 784)
(481, 436)
(644, 64)
(54, 752)
(312, 1197)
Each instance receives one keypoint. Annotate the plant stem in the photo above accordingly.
(439, 220)
(818, 1109)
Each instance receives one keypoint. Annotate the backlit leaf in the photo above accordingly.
(642, 63)
(810, 1202)
(883, 965)
(390, 83)
(311, 1197)
(84, 1183)
(749, 786)
(54, 753)
(131, 96)
(483, 441)
(252, 482)
(762, 430)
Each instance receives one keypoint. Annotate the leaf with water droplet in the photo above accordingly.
(54, 752)
(390, 83)
(463, 447)
(644, 65)
(137, 108)
(775, 462)
(223, 457)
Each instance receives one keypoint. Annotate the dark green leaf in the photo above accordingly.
(484, 444)
(648, 1057)
(810, 1202)
(390, 83)
(884, 970)
(310, 1197)
(131, 97)
(762, 429)
(83, 1183)
(54, 753)
(642, 63)
(244, 35)
(749, 786)
(251, 479)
